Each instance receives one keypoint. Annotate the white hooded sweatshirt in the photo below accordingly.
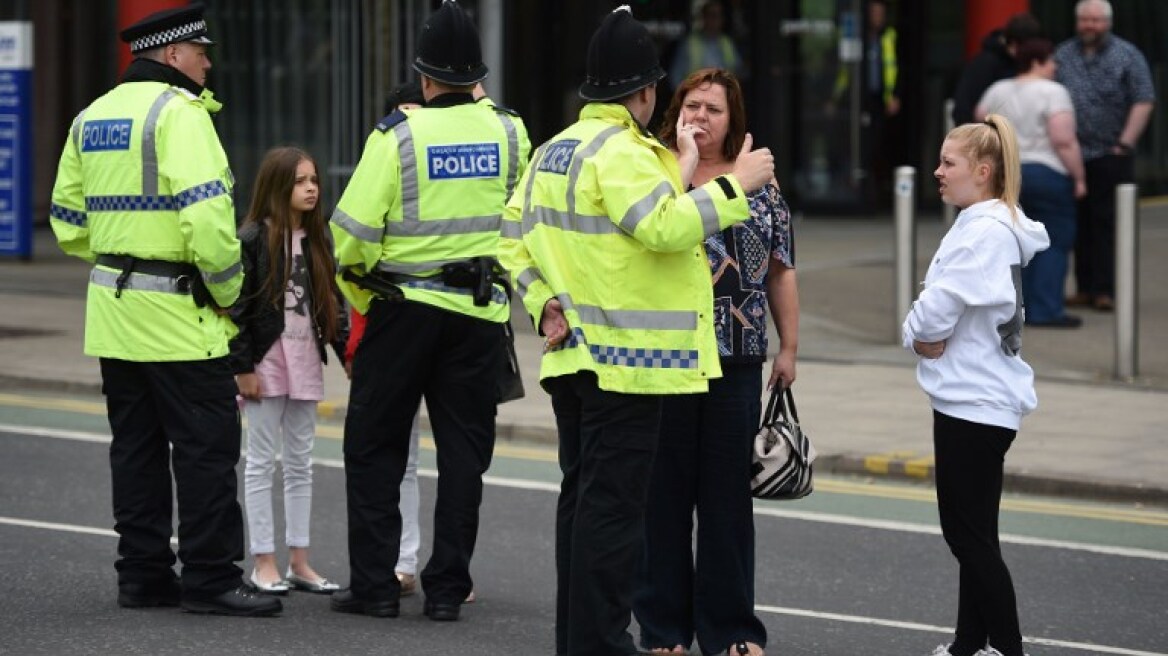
(970, 300)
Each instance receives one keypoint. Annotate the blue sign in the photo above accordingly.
(463, 161)
(558, 156)
(107, 134)
(16, 138)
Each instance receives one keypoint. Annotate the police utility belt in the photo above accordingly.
(186, 276)
(478, 274)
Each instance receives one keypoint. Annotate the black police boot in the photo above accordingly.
(441, 612)
(166, 592)
(344, 601)
(240, 602)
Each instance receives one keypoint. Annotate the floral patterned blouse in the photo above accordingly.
(739, 257)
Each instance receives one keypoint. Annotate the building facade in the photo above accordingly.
(316, 73)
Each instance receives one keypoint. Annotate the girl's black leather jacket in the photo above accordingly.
(260, 322)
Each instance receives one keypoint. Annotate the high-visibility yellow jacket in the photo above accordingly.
(889, 69)
(143, 174)
(429, 190)
(600, 221)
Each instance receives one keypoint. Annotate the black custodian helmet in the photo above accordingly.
(448, 47)
(621, 58)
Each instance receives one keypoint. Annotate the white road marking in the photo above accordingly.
(521, 484)
(913, 626)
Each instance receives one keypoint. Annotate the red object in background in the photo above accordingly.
(983, 17)
(132, 11)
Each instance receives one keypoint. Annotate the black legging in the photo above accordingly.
(969, 490)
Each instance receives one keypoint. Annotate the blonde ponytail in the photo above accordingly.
(995, 142)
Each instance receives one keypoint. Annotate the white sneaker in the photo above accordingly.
(942, 650)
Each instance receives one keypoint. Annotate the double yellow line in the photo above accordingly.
(823, 484)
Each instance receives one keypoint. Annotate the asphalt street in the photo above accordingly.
(856, 568)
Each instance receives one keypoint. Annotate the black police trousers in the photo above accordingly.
(607, 445)
(180, 417)
(412, 351)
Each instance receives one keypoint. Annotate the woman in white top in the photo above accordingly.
(966, 326)
(1052, 172)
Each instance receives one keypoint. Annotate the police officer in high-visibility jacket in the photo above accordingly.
(143, 191)
(604, 247)
(416, 232)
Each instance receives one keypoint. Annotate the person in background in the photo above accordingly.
(604, 246)
(404, 98)
(994, 62)
(1052, 172)
(416, 232)
(289, 310)
(143, 191)
(966, 326)
(709, 47)
(879, 102)
(1111, 87)
(707, 465)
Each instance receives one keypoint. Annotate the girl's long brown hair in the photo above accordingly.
(271, 199)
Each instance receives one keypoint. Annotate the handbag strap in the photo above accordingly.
(774, 409)
(788, 409)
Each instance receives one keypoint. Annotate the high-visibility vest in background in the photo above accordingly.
(143, 174)
(600, 221)
(429, 190)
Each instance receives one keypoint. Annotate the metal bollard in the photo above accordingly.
(906, 245)
(1127, 260)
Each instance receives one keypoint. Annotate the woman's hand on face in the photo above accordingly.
(686, 144)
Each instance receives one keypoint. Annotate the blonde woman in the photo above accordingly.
(967, 328)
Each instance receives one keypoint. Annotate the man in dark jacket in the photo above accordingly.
(994, 62)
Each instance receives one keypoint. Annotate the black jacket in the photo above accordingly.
(261, 323)
(993, 63)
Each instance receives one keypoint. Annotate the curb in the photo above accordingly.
(897, 465)
(909, 466)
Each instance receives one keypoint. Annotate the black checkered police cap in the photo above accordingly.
(166, 27)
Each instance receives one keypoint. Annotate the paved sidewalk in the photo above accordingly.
(1091, 436)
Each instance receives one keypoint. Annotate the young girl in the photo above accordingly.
(288, 310)
(967, 328)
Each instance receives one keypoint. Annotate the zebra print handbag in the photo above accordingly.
(782, 454)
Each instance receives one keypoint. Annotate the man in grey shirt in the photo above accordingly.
(1111, 88)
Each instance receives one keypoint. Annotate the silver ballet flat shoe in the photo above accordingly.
(319, 586)
(274, 588)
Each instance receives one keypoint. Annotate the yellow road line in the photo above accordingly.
(830, 485)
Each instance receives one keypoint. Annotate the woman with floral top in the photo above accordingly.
(703, 461)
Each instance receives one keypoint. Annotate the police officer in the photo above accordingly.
(419, 222)
(604, 246)
(143, 191)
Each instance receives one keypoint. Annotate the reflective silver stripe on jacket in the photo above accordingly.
(141, 282)
(642, 208)
(356, 228)
(632, 319)
(578, 161)
(525, 279)
(216, 277)
(581, 223)
(707, 210)
(149, 147)
(436, 285)
(414, 268)
(409, 171)
(77, 123)
(512, 150)
(531, 173)
(438, 227)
